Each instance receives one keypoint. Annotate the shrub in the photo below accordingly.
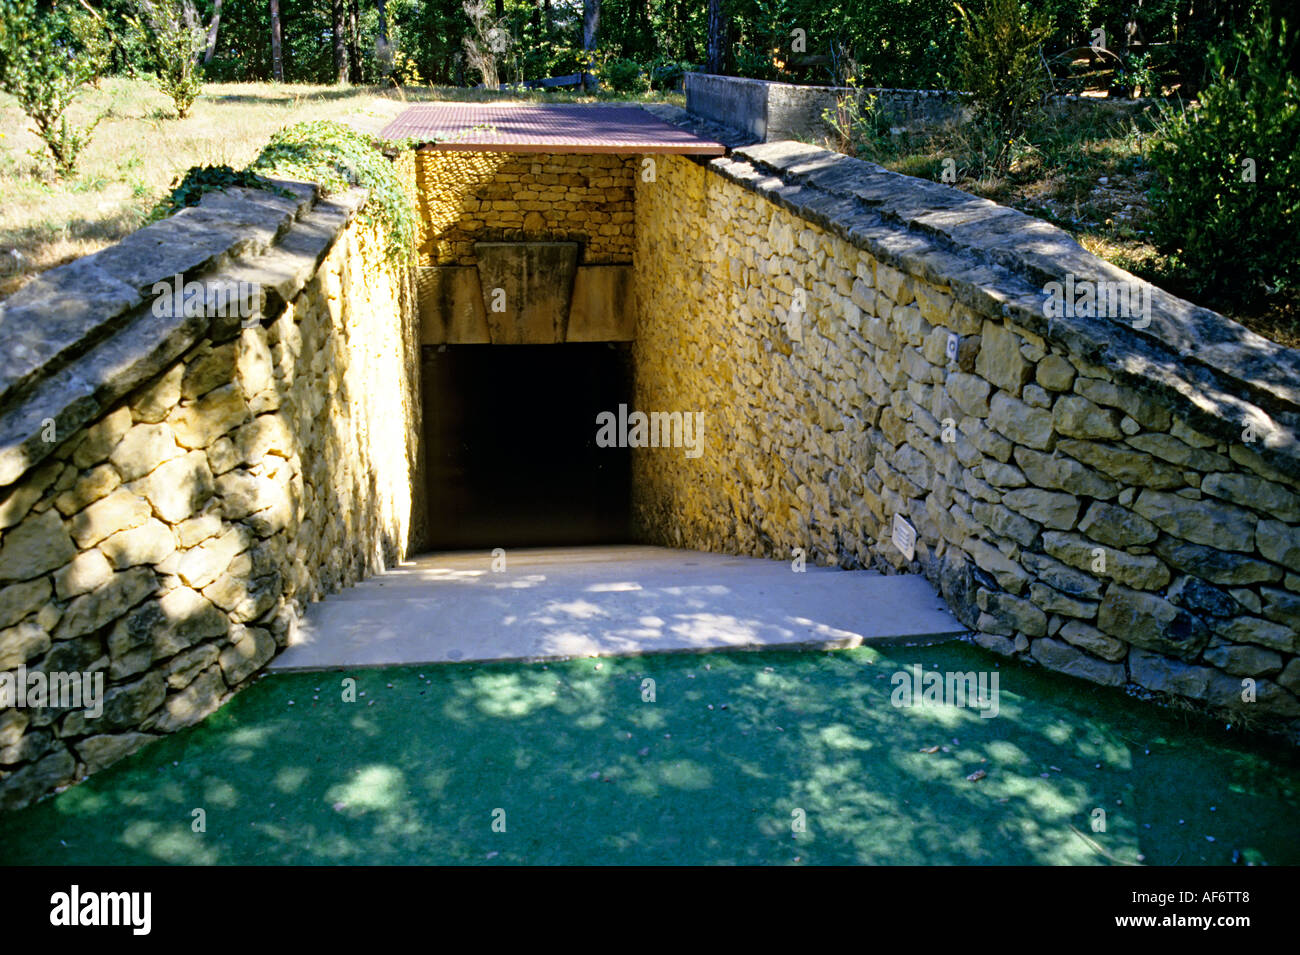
(625, 76)
(1226, 202)
(668, 74)
(176, 40)
(337, 157)
(859, 125)
(44, 69)
(1001, 63)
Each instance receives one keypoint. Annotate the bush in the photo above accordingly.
(337, 157)
(625, 76)
(668, 74)
(176, 41)
(1226, 202)
(42, 67)
(1001, 63)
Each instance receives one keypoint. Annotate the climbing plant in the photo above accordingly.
(337, 157)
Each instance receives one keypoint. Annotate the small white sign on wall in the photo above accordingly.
(904, 537)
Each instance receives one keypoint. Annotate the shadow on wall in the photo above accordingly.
(256, 474)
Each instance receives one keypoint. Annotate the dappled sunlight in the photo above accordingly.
(709, 628)
(506, 695)
(370, 789)
(290, 779)
(581, 609)
(694, 758)
(526, 582)
(174, 844)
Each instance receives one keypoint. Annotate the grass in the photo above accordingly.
(587, 772)
(139, 149)
(1084, 172)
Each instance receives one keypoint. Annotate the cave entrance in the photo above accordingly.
(510, 449)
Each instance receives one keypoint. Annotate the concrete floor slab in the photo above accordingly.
(603, 601)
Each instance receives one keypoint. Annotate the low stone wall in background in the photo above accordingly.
(177, 487)
(1118, 500)
(770, 112)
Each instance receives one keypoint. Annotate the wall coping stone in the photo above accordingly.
(80, 336)
(997, 260)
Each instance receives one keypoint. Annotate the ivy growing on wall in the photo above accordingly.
(333, 156)
(337, 157)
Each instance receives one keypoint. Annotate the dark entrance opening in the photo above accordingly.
(510, 445)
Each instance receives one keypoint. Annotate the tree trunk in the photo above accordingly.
(717, 54)
(277, 59)
(354, 41)
(338, 18)
(590, 38)
(211, 46)
(382, 6)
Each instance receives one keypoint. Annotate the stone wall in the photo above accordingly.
(1115, 500)
(179, 486)
(768, 111)
(468, 197)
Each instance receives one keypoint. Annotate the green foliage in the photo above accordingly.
(666, 73)
(625, 76)
(44, 68)
(198, 181)
(1226, 204)
(337, 158)
(1000, 62)
(88, 34)
(1137, 77)
(175, 40)
(860, 126)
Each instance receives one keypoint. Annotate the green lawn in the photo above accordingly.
(589, 773)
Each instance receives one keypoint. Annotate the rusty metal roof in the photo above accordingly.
(531, 128)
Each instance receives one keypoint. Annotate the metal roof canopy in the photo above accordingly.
(531, 128)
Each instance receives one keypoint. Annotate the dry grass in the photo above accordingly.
(139, 149)
(1085, 173)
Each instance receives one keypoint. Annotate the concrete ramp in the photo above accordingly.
(607, 601)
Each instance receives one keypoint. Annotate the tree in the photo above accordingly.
(277, 50)
(337, 16)
(486, 40)
(590, 38)
(213, 26)
(354, 46)
(41, 68)
(176, 40)
(717, 31)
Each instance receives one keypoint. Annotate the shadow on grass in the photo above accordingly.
(588, 772)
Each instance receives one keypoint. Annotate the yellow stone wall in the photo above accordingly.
(1063, 515)
(466, 197)
(173, 544)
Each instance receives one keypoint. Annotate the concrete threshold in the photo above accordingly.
(557, 603)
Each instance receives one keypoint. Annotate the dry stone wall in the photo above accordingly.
(178, 486)
(1116, 500)
(468, 197)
